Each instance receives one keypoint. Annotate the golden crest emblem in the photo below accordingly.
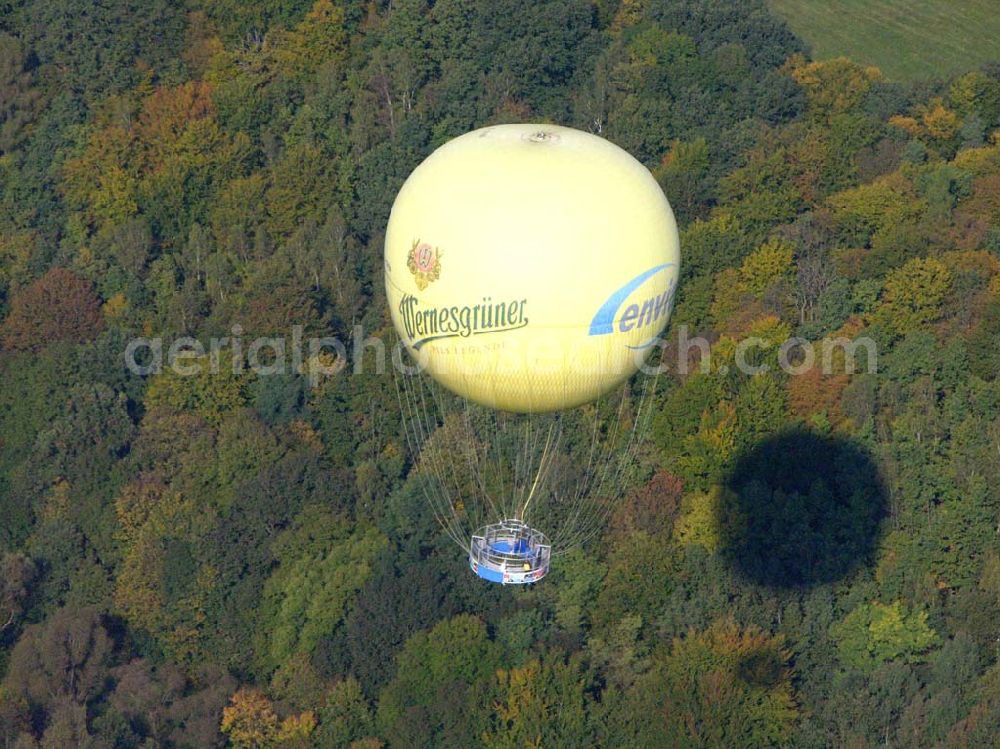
(424, 263)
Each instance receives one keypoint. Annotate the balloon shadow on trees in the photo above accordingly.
(801, 509)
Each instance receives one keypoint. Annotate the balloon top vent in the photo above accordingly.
(541, 136)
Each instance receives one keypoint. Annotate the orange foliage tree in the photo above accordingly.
(59, 306)
(651, 508)
(814, 394)
(251, 722)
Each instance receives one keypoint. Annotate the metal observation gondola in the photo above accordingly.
(509, 552)
(530, 270)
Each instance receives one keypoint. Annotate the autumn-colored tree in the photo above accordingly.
(832, 86)
(172, 705)
(206, 385)
(861, 212)
(136, 503)
(251, 722)
(285, 307)
(164, 165)
(318, 40)
(984, 201)
(913, 294)
(101, 182)
(628, 14)
(976, 93)
(650, 508)
(65, 659)
(770, 332)
(764, 192)
(165, 116)
(137, 594)
(703, 456)
(730, 300)
(933, 123)
(295, 731)
(538, 705)
(59, 306)
(815, 394)
(722, 687)
(767, 265)
(699, 519)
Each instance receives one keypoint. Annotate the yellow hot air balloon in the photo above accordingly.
(528, 266)
(529, 270)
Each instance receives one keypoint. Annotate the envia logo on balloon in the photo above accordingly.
(642, 313)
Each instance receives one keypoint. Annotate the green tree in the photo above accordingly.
(20, 98)
(638, 579)
(874, 633)
(684, 175)
(345, 716)
(321, 567)
(434, 698)
(18, 574)
(96, 50)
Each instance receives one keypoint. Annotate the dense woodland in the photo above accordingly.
(230, 560)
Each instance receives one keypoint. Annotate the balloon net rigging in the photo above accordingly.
(560, 472)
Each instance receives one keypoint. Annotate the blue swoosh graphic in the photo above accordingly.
(604, 321)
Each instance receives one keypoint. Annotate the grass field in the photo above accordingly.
(907, 39)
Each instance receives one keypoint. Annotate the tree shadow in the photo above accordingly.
(801, 509)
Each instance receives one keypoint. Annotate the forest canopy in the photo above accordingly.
(228, 559)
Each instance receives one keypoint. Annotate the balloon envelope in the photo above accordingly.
(530, 267)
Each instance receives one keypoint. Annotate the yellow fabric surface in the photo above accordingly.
(529, 266)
